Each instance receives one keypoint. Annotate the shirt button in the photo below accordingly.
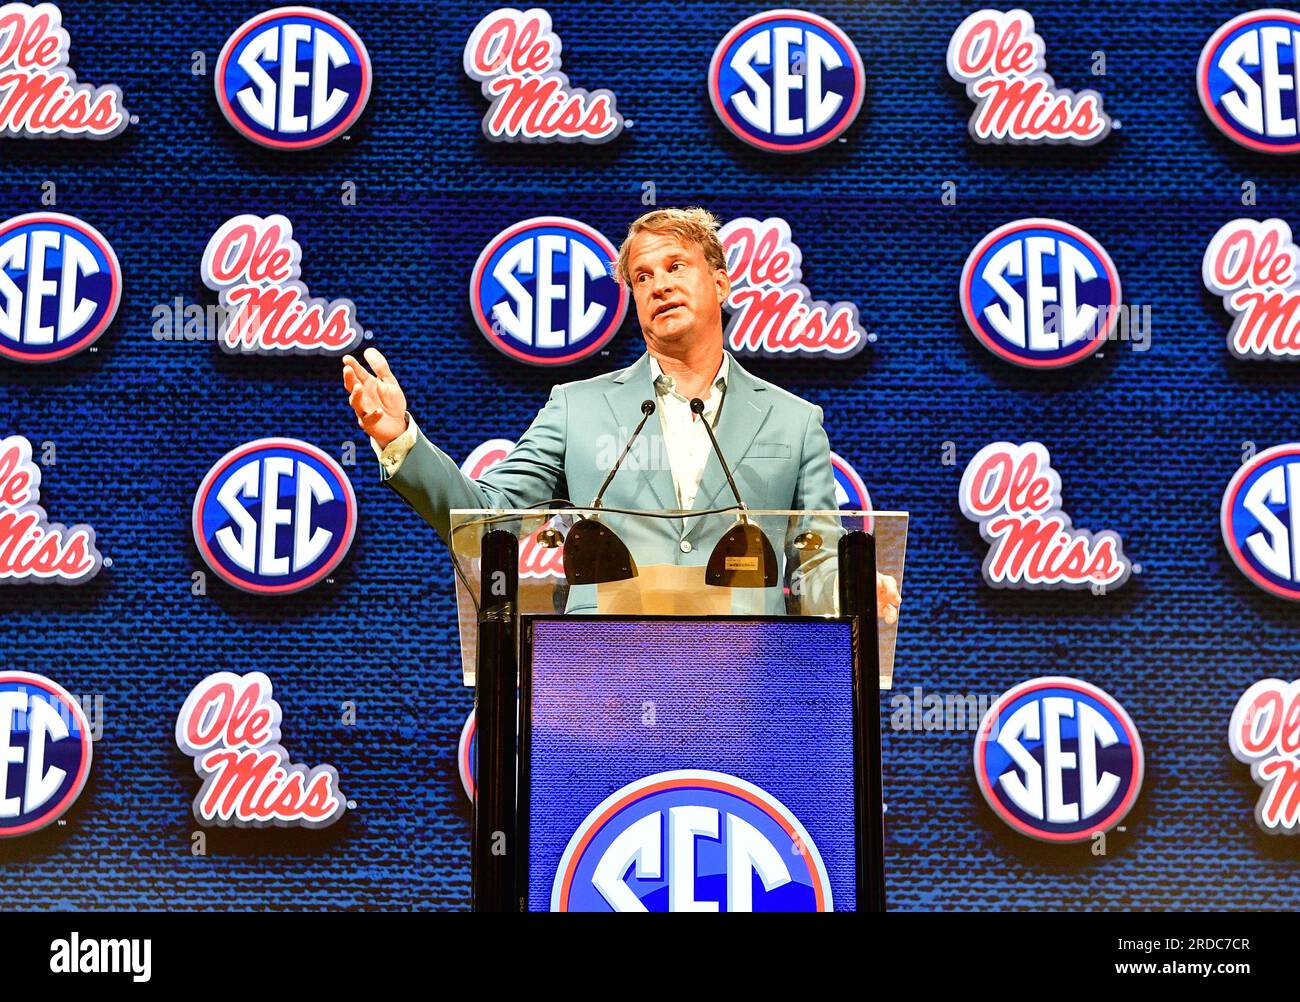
(686, 546)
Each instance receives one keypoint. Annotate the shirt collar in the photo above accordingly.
(664, 383)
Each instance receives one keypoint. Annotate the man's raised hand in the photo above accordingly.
(377, 399)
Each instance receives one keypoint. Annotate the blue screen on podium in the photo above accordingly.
(691, 765)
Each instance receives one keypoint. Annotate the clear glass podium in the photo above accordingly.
(671, 552)
(631, 668)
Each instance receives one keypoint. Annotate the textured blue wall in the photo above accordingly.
(1145, 442)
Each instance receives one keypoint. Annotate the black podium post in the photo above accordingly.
(496, 713)
(857, 555)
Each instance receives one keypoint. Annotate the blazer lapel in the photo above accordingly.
(631, 387)
(745, 406)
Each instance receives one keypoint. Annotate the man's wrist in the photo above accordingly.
(392, 455)
(406, 427)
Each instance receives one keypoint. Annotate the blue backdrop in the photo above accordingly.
(1145, 441)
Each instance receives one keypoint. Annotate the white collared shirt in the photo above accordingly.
(685, 439)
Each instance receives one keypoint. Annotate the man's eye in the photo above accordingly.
(675, 266)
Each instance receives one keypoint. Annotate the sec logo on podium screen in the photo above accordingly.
(691, 841)
(543, 291)
(1058, 760)
(293, 78)
(60, 285)
(274, 516)
(45, 752)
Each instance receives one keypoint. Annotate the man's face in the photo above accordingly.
(678, 296)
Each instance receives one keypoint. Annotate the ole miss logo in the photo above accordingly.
(1247, 82)
(45, 752)
(60, 285)
(1260, 519)
(274, 516)
(543, 291)
(773, 312)
(515, 56)
(32, 548)
(293, 78)
(1252, 266)
(40, 97)
(1040, 293)
(255, 265)
(1265, 734)
(230, 726)
(1014, 494)
(1002, 62)
(1058, 760)
(786, 81)
(535, 560)
(691, 841)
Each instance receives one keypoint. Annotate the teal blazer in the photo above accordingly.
(772, 439)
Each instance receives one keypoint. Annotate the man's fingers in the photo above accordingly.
(369, 420)
(357, 398)
(354, 368)
(378, 363)
(888, 598)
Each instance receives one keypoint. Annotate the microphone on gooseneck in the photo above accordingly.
(647, 408)
(744, 556)
(697, 407)
(593, 553)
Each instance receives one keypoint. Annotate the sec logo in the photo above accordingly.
(467, 756)
(1260, 519)
(467, 753)
(274, 516)
(60, 285)
(485, 456)
(45, 752)
(1040, 293)
(1058, 760)
(1246, 80)
(691, 841)
(293, 78)
(786, 81)
(850, 491)
(543, 291)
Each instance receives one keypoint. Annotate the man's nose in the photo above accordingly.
(663, 284)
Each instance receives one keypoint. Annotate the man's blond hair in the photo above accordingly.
(694, 225)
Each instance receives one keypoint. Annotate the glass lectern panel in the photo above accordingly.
(675, 564)
(670, 558)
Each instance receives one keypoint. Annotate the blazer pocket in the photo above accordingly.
(768, 450)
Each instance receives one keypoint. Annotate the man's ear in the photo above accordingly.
(722, 281)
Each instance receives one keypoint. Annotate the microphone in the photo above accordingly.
(593, 553)
(743, 557)
(697, 407)
(647, 408)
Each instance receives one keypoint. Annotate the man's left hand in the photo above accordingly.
(888, 598)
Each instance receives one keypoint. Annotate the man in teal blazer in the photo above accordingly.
(773, 440)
